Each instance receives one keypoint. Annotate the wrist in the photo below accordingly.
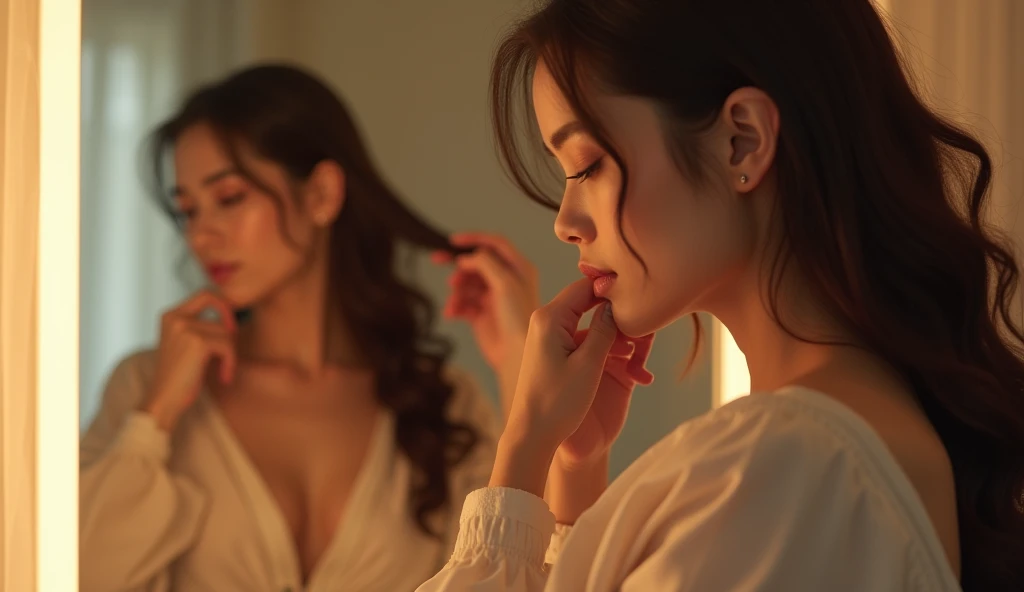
(522, 463)
(574, 486)
(164, 416)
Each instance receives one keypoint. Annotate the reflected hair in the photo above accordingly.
(287, 116)
(880, 200)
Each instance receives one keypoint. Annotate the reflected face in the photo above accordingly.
(696, 240)
(233, 228)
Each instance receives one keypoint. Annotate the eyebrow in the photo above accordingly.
(565, 132)
(209, 180)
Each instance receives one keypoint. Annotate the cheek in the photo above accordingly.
(689, 243)
(259, 233)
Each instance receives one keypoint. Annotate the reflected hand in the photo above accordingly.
(495, 290)
(189, 346)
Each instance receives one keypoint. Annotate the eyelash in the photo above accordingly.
(586, 173)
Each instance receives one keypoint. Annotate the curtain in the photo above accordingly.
(968, 59)
(139, 59)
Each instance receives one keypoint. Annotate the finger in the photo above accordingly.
(462, 305)
(638, 361)
(600, 338)
(467, 281)
(223, 351)
(468, 288)
(495, 274)
(504, 247)
(617, 370)
(441, 257)
(573, 302)
(622, 348)
(204, 300)
(207, 329)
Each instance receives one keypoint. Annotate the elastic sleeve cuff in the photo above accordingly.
(503, 522)
(141, 436)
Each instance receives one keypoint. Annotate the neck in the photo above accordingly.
(775, 358)
(298, 326)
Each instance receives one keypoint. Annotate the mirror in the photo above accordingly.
(289, 476)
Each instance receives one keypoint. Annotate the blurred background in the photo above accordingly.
(415, 76)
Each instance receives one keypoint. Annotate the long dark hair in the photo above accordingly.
(881, 202)
(293, 119)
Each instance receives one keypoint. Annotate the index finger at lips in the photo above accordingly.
(567, 308)
(501, 245)
(204, 300)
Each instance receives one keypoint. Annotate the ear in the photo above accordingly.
(325, 193)
(752, 120)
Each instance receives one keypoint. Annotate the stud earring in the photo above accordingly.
(743, 179)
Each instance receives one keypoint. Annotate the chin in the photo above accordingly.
(635, 323)
(237, 298)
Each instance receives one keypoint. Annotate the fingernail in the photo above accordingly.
(608, 311)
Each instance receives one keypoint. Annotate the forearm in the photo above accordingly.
(571, 490)
(508, 377)
(165, 416)
(507, 390)
(522, 461)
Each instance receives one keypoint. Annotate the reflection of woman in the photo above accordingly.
(321, 441)
(767, 162)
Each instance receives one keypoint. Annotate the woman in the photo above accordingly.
(318, 439)
(767, 162)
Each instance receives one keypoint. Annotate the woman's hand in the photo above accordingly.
(574, 389)
(189, 345)
(579, 474)
(601, 426)
(495, 290)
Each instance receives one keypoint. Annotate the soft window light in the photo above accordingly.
(730, 377)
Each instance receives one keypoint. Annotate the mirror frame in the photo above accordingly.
(58, 269)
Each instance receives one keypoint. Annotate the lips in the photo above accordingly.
(220, 273)
(604, 279)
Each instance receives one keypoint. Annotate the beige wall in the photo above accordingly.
(415, 74)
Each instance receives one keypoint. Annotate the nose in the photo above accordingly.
(203, 231)
(574, 226)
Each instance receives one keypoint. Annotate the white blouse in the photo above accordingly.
(788, 491)
(192, 513)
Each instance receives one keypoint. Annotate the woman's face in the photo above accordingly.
(233, 228)
(697, 240)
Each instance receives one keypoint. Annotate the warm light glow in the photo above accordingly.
(730, 379)
(57, 357)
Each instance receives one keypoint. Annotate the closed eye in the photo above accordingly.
(587, 172)
(231, 200)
